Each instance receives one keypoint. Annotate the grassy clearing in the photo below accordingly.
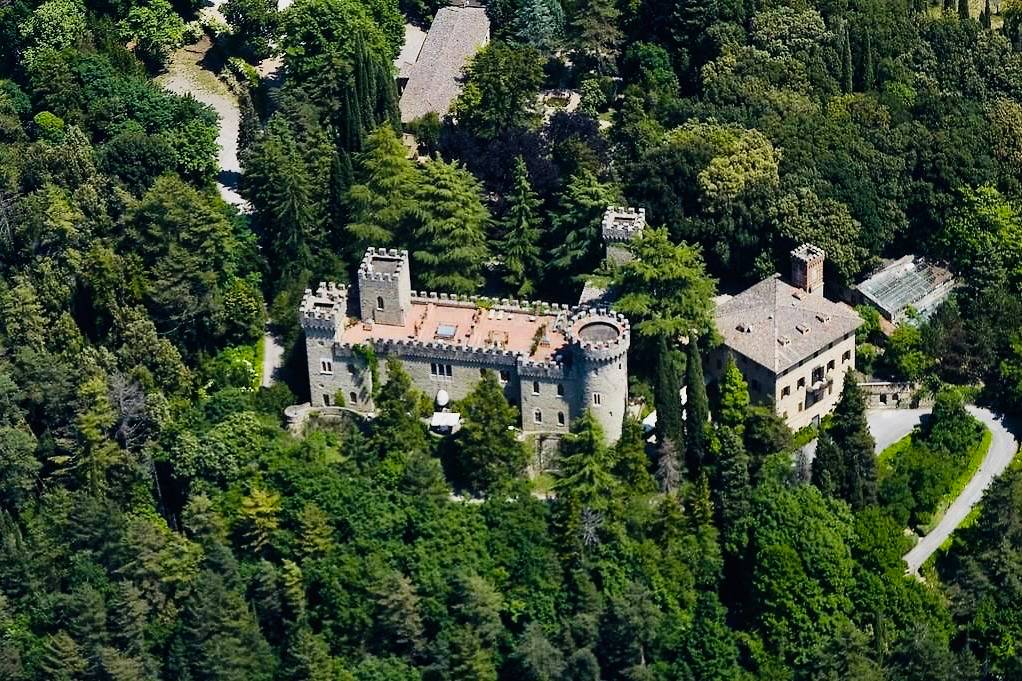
(917, 484)
(975, 457)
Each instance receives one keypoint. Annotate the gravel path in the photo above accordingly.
(273, 359)
(187, 75)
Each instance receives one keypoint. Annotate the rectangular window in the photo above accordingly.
(785, 391)
(326, 366)
(817, 374)
(846, 356)
(802, 382)
(800, 406)
(326, 400)
(505, 375)
(449, 370)
(597, 399)
(537, 416)
(433, 368)
(830, 365)
(560, 418)
(535, 387)
(560, 390)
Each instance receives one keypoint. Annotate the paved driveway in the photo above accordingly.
(890, 425)
(1003, 447)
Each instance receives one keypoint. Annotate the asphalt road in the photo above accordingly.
(890, 425)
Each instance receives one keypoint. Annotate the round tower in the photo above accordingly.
(599, 342)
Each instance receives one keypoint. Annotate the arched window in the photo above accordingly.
(379, 302)
(352, 397)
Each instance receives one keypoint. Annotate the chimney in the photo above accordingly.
(807, 268)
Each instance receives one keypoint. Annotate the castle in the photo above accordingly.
(553, 361)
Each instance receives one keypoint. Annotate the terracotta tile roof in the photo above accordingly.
(434, 81)
(777, 325)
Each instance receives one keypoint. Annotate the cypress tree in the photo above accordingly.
(963, 10)
(520, 246)
(986, 17)
(850, 431)
(668, 468)
(248, 126)
(828, 467)
(697, 409)
(868, 66)
(732, 489)
(734, 397)
(631, 463)
(846, 61)
(670, 424)
(341, 178)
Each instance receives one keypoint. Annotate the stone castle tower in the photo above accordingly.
(599, 342)
(807, 268)
(385, 287)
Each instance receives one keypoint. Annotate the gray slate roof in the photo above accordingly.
(777, 325)
(456, 34)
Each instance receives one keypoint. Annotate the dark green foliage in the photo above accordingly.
(487, 451)
(501, 84)
(697, 410)
(670, 424)
(519, 245)
(852, 437)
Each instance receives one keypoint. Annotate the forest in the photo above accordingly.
(159, 522)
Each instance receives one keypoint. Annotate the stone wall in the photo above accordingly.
(894, 395)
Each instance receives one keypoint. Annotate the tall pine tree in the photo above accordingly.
(850, 431)
(521, 226)
(734, 397)
(381, 202)
(732, 490)
(450, 230)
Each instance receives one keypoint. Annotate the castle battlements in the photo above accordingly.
(623, 223)
(383, 264)
(554, 361)
(598, 334)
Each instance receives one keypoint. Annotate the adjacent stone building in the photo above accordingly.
(792, 345)
(554, 361)
(431, 80)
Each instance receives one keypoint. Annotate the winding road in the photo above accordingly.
(890, 425)
(188, 73)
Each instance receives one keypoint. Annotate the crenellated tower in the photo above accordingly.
(621, 225)
(385, 287)
(599, 341)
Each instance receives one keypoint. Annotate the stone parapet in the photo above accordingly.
(623, 223)
(368, 272)
(321, 312)
(598, 334)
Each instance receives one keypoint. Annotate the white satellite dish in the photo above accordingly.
(442, 398)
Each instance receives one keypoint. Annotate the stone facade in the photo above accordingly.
(792, 345)
(554, 362)
(621, 225)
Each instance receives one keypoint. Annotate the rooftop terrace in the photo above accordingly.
(464, 324)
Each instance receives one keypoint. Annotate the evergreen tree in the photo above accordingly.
(846, 60)
(596, 34)
(521, 227)
(850, 431)
(631, 463)
(539, 23)
(668, 467)
(734, 397)
(487, 446)
(986, 19)
(342, 175)
(249, 128)
(578, 221)
(828, 466)
(397, 428)
(963, 10)
(732, 489)
(450, 229)
(711, 653)
(697, 409)
(381, 202)
(669, 420)
(869, 75)
(398, 626)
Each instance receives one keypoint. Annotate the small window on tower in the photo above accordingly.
(560, 390)
(597, 399)
(535, 387)
(326, 366)
(537, 416)
(560, 418)
(352, 397)
(379, 302)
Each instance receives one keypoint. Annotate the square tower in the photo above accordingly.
(385, 286)
(807, 268)
(621, 225)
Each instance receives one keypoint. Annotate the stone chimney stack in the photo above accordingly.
(807, 268)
